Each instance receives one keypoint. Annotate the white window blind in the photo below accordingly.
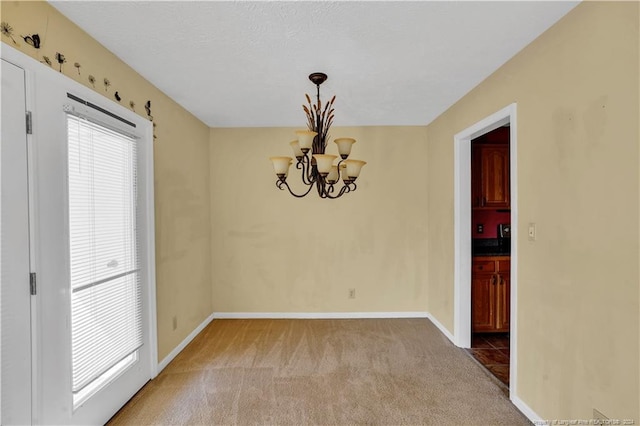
(106, 321)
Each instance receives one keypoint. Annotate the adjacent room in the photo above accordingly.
(323, 212)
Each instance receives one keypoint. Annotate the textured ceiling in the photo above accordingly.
(245, 64)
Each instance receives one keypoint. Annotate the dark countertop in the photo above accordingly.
(488, 254)
(490, 247)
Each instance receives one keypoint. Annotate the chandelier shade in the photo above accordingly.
(324, 163)
(281, 165)
(333, 175)
(344, 146)
(297, 151)
(354, 167)
(318, 169)
(305, 139)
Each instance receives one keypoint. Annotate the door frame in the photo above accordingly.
(32, 68)
(462, 231)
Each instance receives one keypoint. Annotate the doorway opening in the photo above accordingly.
(503, 271)
(491, 251)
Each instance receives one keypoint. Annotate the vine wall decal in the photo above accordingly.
(61, 60)
(32, 40)
(36, 41)
(7, 30)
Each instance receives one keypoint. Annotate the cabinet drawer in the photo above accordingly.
(484, 266)
(503, 265)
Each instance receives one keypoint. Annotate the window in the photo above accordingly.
(106, 301)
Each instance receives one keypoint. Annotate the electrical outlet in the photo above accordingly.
(175, 322)
(480, 228)
(352, 293)
(532, 232)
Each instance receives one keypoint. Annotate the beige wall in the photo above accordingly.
(229, 241)
(181, 164)
(274, 253)
(576, 89)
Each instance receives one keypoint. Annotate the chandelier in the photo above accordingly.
(318, 169)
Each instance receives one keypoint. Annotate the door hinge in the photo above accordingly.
(29, 123)
(32, 283)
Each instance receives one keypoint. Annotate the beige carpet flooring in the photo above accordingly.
(321, 372)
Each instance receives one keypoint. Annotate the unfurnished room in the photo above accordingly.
(320, 212)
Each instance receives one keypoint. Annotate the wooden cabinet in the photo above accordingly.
(490, 294)
(483, 307)
(503, 297)
(490, 177)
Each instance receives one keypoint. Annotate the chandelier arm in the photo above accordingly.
(320, 187)
(302, 165)
(329, 189)
(293, 193)
(311, 178)
(343, 191)
(323, 191)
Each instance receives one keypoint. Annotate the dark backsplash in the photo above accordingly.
(490, 247)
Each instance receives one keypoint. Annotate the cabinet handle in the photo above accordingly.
(500, 279)
(493, 280)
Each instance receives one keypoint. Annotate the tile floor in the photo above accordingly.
(492, 351)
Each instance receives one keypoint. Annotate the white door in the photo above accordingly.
(15, 295)
(95, 262)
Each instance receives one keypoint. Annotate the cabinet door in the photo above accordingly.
(483, 306)
(503, 298)
(495, 176)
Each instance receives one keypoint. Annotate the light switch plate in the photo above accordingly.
(532, 232)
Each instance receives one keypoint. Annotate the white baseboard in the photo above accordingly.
(316, 315)
(520, 404)
(441, 327)
(527, 411)
(162, 364)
